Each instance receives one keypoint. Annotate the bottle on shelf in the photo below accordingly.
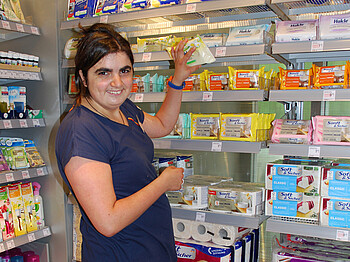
(38, 201)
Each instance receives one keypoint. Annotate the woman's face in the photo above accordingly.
(110, 80)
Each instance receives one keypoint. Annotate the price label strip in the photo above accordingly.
(25, 174)
(314, 151)
(10, 244)
(6, 25)
(220, 51)
(9, 177)
(20, 28)
(34, 30)
(317, 46)
(139, 98)
(40, 171)
(207, 96)
(200, 216)
(36, 122)
(104, 19)
(7, 124)
(329, 95)
(342, 235)
(191, 8)
(2, 247)
(146, 57)
(31, 237)
(23, 123)
(216, 146)
(46, 232)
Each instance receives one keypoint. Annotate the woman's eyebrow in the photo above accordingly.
(125, 67)
(103, 69)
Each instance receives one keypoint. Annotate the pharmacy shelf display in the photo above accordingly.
(22, 123)
(21, 174)
(11, 30)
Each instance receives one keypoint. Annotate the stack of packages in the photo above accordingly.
(199, 240)
(164, 160)
(11, 10)
(321, 130)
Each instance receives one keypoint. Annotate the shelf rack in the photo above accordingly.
(25, 239)
(309, 150)
(11, 30)
(209, 145)
(224, 219)
(310, 95)
(19, 175)
(284, 227)
(21, 123)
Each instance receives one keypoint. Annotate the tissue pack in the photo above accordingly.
(295, 31)
(295, 79)
(294, 176)
(336, 182)
(205, 126)
(292, 204)
(247, 35)
(331, 76)
(245, 79)
(291, 131)
(334, 26)
(335, 212)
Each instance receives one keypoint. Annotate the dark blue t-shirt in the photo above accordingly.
(129, 152)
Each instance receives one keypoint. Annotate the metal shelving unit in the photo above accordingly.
(11, 30)
(19, 175)
(9, 73)
(309, 150)
(310, 95)
(294, 228)
(21, 123)
(224, 219)
(209, 145)
(25, 239)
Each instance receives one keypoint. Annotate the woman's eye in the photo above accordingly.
(102, 73)
(125, 71)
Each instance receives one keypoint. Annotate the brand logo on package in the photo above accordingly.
(297, 25)
(227, 195)
(236, 121)
(185, 252)
(340, 21)
(245, 75)
(291, 196)
(205, 121)
(293, 122)
(342, 175)
(336, 124)
(289, 171)
(244, 31)
(342, 206)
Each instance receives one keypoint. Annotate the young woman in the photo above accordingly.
(104, 153)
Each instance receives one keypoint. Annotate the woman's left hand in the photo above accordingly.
(182, 70)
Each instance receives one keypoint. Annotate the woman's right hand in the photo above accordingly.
(172, 178)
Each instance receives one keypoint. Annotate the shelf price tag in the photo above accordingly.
(329, 95)
(342, 235)
(10, 244)
(146, 57)
(191, 8)
(220, 51)
(25, 174)
(46, 232)
(7, 124)
(23, 123)
(317, 46)
(40, 171)
(31, 237)
(9, 177)
(20, 27)
(216, 146)
(200, 216)
(2, 247)
(207, 96)
(6, 25)
(314, 151)
(36, 122)
(139, 98)
(104, 19)
(34, 30)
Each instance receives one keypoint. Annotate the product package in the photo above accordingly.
(6, 220)
(245, 79)
(304, 206)
(182, 127)
(195, 82)
(84, 8)
(335, 181)
(17, 207)
(201, 56)
(185, 162)
(214, 39)
(205, 126)
(70, 48)
(335, 212)
(132, 5)
(291, 131)
(216, 81)
(295, 31)
(104, 7)
(248, 35)
(14, 152)
(18, 100)
(3, 164)
(334, 26)
(16, 7)
(29, 206)
(33, 155)
(331, 130)
(331, 76)
(195, 195)
(70, 10)
(156, 44)
(294, 176)
(295, 79)
(72, 88)
(6, 11)
(159, 3)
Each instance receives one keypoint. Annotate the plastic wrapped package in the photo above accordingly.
(195, 82)
(104, 7)
(291, 131)
(84, 8)
(216, 81)
(248, 35)
(132, 5)
(331, 76)
(70, 10)
(334, 26)
(295, 31)
(295, 79)
(205, 126)
(246, 79)
(70, 48)
(159, 3)
(181, 128)
(214, 39)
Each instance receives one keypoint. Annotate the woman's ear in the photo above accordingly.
(82, 78)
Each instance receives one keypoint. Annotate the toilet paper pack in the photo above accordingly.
(336, 182)
(293, 176)
(182, 228)
(292, 204)
(192, 251)
(335, 212)
(202, 231)
(225, 235)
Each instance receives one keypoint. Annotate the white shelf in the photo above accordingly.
(11, 30)
(21, 123)
(219, 218)
(19, 175)
(310, 95)
(25, 239)
(309, 150)
(301, 229)
(208, 145)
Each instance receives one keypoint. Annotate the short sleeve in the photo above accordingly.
(134, 110)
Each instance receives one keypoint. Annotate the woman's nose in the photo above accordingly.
(116, 80)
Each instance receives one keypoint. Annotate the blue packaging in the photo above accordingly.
(84, 8)
(104, 7)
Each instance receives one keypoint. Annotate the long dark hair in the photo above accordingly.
(96, 42)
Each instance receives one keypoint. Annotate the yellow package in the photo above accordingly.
(216, 81)
(331, 76)
(268, 80)
(238, 127)
(295, 79)
(29, 207)
(195, 82)
(205, 126)
(17, 207)
(246, 79)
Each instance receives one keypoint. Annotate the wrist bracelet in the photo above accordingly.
(170, 84)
